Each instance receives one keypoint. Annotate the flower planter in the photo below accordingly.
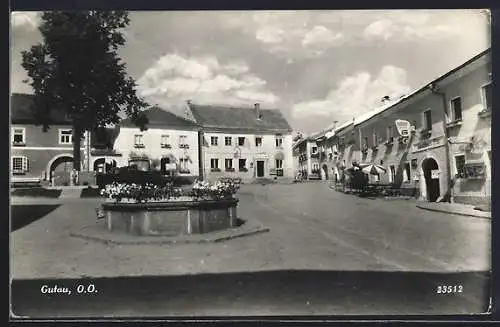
(175, 216)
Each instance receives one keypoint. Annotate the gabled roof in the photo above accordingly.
(159, 117)
(21, 113)
(238, 118)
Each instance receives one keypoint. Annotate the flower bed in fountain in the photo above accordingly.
(166, 210)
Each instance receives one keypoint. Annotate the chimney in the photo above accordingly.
(386, 99)
(258, 114)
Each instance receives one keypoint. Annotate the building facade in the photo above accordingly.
(249, 143)
(170, 143)
(447, 154)
(38, 155)
(307, 157)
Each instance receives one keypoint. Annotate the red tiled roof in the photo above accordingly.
(238, 118)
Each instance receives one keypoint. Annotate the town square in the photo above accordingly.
(179, 170)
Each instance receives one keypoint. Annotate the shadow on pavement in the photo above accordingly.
(271, 293)
(23, 215)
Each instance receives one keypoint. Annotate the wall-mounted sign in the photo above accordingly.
(403, 127)
(428, 143)
(170, 166)
(435, 174)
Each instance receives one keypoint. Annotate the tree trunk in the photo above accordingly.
(77, 140)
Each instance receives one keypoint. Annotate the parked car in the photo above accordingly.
(140, 172)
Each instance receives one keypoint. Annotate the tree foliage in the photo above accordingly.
(76, 70)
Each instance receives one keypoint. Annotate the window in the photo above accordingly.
(314, 149)
(18, 136)
(279, 164)
(390, 133)
(183, 142)
(456, 109)
(427, 121)
(392, 176)
(407, 172)
(214, 163)
(214, 140)
(258, 141)
(315, 167)
(279, 141)
(165, 140)
(19, 165)
(365, 145)
(241, 141)
(65, 136)
(138, 141)
(375, 139)
(460, 166)
(242, 164)
(228, 164)
(487, 96)
(184, 165)
(227, 141)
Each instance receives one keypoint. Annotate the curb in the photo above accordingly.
(173, 240)
(454, 212)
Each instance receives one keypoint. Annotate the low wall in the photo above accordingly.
(171, 218)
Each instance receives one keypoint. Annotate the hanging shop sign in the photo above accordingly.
(403, 127)
(435, 174)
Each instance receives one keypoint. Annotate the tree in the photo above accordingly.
(76, 70)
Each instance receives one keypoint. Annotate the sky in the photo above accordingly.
(317, 67)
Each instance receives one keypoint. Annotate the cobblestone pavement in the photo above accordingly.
(311, 227)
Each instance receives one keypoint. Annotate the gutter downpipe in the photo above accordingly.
(433, 88)
(201, 157)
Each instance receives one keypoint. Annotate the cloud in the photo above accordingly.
(405, 26)
(26, 19)
(174, 79)
(320, 34)
(290, 35)
(268, 34)
(355, 95)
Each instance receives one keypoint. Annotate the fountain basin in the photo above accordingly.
(170, 218)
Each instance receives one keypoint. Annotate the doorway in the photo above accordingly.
(325, 172)
(431, 181)
(260, 168)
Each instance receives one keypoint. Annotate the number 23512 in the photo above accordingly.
(447, 289)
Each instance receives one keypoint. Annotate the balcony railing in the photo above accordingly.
(184, 146)
(18, 143)
(166, 146)
(139, 146)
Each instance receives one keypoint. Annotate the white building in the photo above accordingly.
(170, 142)
(240, 142)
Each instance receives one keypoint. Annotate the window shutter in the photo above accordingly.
(25, 164)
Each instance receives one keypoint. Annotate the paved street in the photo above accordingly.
(312, 228)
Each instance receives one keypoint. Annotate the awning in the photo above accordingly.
(169, 156)
(279, 156)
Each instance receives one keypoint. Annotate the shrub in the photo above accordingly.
(140, 192)
(216, 191)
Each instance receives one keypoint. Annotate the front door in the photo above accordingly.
(260, 168)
